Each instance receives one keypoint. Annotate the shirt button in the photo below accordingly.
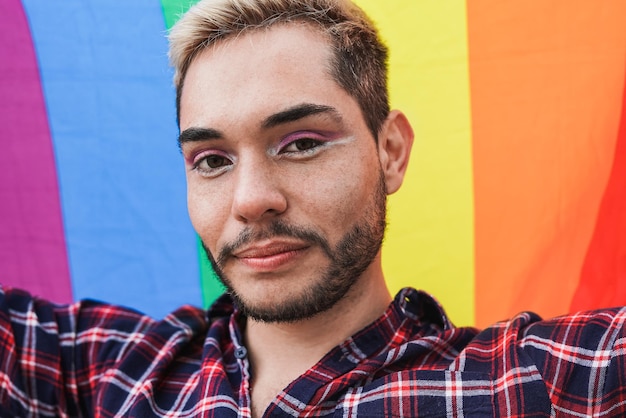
(241, 352)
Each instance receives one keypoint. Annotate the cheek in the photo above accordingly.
(207, 211)
(338, 194)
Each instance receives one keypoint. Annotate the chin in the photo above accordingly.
(274, 305)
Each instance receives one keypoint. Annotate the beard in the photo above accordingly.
(353, 254)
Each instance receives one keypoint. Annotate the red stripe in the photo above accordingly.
(32, 244)
(603, 276)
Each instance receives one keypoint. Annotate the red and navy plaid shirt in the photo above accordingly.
(91, 359)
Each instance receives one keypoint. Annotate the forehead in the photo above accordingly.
(259, 71)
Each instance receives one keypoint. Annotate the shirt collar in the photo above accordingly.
(412, 314)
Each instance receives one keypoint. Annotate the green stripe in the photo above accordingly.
(210, 286)
(174, 9)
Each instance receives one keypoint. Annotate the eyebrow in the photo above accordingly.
(198, 134)
(291, 114)
(299, 111)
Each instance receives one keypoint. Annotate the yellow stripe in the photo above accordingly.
(430, 239)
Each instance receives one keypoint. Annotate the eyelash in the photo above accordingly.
(210, 171)
(314, 144)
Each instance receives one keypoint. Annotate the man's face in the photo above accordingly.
(284, 183)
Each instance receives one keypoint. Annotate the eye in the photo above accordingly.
(214, 161)
(302, 144)
(211, 164)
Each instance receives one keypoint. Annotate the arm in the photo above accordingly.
(52, 356)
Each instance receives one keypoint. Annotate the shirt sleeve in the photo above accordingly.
(581, 358)
(51, 356)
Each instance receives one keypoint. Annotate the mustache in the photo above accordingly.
(275, 229)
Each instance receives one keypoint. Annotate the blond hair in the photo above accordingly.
(359, 63)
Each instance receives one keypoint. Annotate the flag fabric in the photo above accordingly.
(515, 197)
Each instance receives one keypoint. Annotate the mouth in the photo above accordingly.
(269, 256)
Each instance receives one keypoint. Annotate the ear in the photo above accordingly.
(394, 148)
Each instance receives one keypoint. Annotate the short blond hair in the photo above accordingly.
(359, 63)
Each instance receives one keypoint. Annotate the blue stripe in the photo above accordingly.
(110, 104)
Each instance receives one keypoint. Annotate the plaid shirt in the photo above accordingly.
(91, 359)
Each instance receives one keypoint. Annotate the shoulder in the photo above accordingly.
(584, 351)
(568, 337)
(575, 362)
(596, 330)
(88, 318)
(589, 339)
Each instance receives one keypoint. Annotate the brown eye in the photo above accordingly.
(305, 144)
(214, 161)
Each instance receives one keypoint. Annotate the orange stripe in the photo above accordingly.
(545, 82)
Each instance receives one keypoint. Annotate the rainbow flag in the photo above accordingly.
(515, 197)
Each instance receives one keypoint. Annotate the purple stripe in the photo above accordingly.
(32, 244)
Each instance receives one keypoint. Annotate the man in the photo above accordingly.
(290, 149)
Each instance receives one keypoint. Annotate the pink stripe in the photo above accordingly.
(32, 244)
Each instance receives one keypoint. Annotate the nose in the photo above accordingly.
(258, 193)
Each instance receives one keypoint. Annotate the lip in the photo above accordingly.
(270, 256)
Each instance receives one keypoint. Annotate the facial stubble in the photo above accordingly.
(348, 260)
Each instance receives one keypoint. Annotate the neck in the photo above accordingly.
(295, 347)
